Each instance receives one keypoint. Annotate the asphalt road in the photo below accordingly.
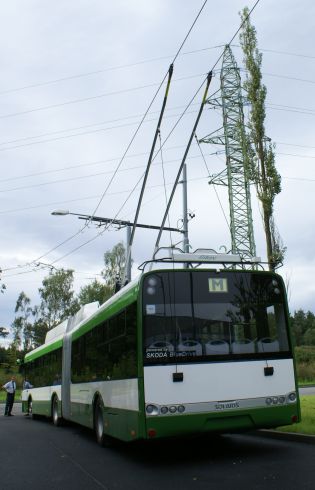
(308, 390)
(36, 455)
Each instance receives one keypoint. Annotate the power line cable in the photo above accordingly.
(113, 68)
(129, 145)
(103, 173)
(287, 53)
(137, 63)
(69, 201)
(103, 195)
(138, 128)
(154, 97)
(92, 97)
(109, 160)
(208, 81)
(77, 128)
(214, 187)
(304, 179)
(293, 144)
(31, 264)
(81, 177)
(119, 92)
(79, 165)
(279, 107)
(287, 77)
(100, 130)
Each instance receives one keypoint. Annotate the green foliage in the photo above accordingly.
(3, 332)
(58, 302)
(21, 326)
(307, 425)
(303, 328)
(305, 354)
(261, 162)
(3, 356)
(40, 328)
(96, 291)
(57, 297)
(305, 363)
(115, 261)
(2, 286)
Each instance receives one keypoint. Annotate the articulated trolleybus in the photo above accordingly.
(184, 349)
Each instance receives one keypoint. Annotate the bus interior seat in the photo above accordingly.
(217, 347)
(268, 345)
(161, 345)
(243, 346)
(190, 345)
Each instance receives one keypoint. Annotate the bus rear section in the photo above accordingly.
(217, 352)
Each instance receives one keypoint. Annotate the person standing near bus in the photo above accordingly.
(10, 388)
(27, 385)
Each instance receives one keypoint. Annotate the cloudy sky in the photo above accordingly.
(77, 78)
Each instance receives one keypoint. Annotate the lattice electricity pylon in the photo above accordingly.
(235, 175)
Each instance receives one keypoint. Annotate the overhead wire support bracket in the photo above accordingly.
(123, 223)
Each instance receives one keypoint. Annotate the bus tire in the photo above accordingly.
(30, 408)
(57, 420)
(102, 439)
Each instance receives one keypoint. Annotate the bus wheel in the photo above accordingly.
(102, 438)
(55, 412)
(30, 408)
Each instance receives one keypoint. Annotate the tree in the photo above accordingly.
(309, 337)
(303, 327)
(262, 170)
(3, 332)
(115, 261)
(57, 298)
(96, 291)
(40, 328)
(2, 286)
(22, 328)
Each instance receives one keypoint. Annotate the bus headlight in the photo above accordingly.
(292, 397)
(164, 410)
(152, 409)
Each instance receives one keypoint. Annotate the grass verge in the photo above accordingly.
(307, 426)
(3, 396)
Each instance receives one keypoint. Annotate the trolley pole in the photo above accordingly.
(185, 211)
(128, 254)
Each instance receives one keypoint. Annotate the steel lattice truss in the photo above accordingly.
(232, 136)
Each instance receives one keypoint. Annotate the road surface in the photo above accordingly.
(36, 455)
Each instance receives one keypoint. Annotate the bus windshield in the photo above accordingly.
(199, 316)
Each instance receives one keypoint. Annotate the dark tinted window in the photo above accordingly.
(45, 370)
(108, 351)
(191, 315)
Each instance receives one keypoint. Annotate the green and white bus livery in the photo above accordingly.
(178, 351)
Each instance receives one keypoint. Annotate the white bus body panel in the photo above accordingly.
(217, 381)
(43, 394)
(121, 394)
